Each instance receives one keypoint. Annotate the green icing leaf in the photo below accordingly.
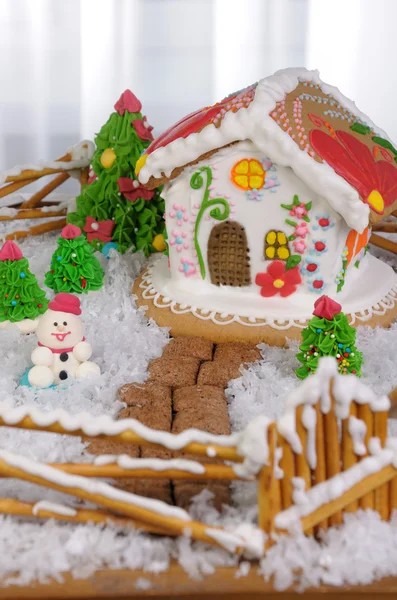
(360, 128)
(292, 261)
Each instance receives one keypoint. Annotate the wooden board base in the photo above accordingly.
(186, 324)
(175, 583)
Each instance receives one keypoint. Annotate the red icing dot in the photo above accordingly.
(318, 284)
(323, 222)
(354, 372)
(320, 246)
(39, 306)
(346, 354)
(311, 267)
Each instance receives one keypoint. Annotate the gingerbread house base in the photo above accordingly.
(187, 319)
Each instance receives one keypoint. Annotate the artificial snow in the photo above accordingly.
(124, 342)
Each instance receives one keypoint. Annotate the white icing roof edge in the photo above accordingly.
(255, 123)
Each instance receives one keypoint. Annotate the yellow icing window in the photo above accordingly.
(276, 246)
(248, 174)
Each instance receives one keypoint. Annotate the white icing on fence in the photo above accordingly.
(81, 155)
(155, 464)
(357, 430)
(333, 488)
(58, 509)
(309, 421)
(91, 486)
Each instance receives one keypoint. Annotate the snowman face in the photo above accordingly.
(59, 330)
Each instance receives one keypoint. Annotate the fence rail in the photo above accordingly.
(329, 454)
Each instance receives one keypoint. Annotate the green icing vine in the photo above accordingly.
(196, 183)
(365, 130)
(294, 208)
(340, 278)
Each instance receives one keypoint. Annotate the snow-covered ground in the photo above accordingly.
(364, 549)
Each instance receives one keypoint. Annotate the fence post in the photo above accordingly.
(287, 464)
(301, 462)
(266, 487)
(366, 415)
(332, 451)
(320, 473)
(382, 493)
(349, 457)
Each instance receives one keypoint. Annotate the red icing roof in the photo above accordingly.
(198, 120)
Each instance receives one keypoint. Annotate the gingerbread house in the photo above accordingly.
(270, 198)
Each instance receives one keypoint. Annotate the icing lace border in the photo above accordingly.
(150, 293)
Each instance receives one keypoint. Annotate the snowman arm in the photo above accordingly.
(42, 357)
(82, 351)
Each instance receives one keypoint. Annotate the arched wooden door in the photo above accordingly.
(228, 255)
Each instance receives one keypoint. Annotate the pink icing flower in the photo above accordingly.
(132, 189)
(70, 232)
(299, 246)
(10, 251)
(301, 230)
(299, 211)
(187, 267)
(128, 101)
(178, 212)
(143, 129)
(179, 240)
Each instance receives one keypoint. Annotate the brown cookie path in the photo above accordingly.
(185, 389)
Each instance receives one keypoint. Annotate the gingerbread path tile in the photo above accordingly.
(174, 372)
(189, 346)
(185, 390)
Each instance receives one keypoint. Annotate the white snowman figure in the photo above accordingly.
(62, 350)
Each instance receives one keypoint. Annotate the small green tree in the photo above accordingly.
(20, 295)
(114, 193)
(74, 267)
(329, 334)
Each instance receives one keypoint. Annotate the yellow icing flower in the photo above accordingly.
(108, 157)
(140, 163)
(159, 242)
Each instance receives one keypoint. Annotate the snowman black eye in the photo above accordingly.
(65, 323)
(55, 324)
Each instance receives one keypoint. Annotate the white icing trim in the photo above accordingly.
(324, 492)
(255, 123)
(149, 292)
(58, 509)
(156, 464)
(91, 486)
(81, 157)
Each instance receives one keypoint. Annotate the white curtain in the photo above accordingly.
(64, 63)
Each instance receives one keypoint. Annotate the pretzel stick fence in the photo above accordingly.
(76, 160)
(342, 446)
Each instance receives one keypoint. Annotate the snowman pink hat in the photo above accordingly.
(66, 303)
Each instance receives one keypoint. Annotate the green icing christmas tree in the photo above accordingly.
(329, 334)
(114, 208)
(74, 267)
(20, 294)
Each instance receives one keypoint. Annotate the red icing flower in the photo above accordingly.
(199, 119)
(70, 232)
(375, 181)
(132, 190)
(143, 129)
(98, 230)
(325, 308)
(128, 101)
(278, 280)
(311, 267)
(10, 251)
(91, 177)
